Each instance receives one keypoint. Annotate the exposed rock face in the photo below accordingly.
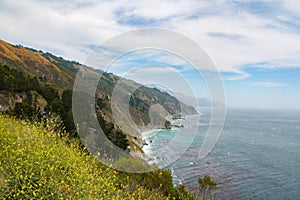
(168, 124)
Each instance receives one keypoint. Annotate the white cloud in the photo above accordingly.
(256, 42)
(158, 9)
(231, 36)
(156, 70)
(292, 6)
(269, 84)
(239, 75)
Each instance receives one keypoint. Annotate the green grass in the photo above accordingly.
(35, 163)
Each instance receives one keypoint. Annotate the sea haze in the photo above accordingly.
(256, 157)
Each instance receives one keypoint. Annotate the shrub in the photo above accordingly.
(37, 164)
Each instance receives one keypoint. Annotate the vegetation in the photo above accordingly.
(35, 83)
(37, 163)
(14, 80)
(116, 136)
(61, 105)
(41, 156)
(60, 61)
(206, 188)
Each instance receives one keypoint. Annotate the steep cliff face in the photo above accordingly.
(42, 81)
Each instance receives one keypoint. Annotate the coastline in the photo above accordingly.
(145, 135)
(146, 147)
(176, 124)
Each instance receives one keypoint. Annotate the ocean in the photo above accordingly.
(256, 157)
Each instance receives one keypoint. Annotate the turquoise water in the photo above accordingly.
(256, 157)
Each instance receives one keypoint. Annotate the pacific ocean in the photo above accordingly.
(256, 157)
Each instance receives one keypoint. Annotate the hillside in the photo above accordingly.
(33, 82)
(40, 163)
(32, 63)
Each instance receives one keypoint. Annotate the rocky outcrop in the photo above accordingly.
(168, 125)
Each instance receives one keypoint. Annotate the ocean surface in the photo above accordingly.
(256, 157)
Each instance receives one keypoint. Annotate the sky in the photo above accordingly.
(255, 45)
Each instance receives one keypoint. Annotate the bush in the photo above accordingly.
(37, 164)
(206, 188)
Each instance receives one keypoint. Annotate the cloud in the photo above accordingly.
(224, 35)
(157, 9)
(139, 57)
(156, 70)
(292, 6)
(237, 75)
(233, 34)
(268, 84)
(257, 42)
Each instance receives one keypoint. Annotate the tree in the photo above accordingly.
(68, 120)
(49, 93)
(206, 186)
(66, 98)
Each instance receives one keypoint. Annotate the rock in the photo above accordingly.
(168, 125)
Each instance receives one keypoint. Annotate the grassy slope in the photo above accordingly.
(36, 163)
(34, 64)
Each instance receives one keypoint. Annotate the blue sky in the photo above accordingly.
(255, 45)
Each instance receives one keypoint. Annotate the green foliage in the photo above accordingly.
(206, 186)
(25, 171)
(133, 165)
(13, 80)
(69, 65)
(49, 93)
(139, 104)
(36, 163)
(182, 193)
(67, 118)
(66, 99)
(26, 110)
(100, 102)
(120, 139)
(115, 135)
(23, 110)
(161, 181)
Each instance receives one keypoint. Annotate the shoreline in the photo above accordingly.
(152, 160)
(145, 135)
